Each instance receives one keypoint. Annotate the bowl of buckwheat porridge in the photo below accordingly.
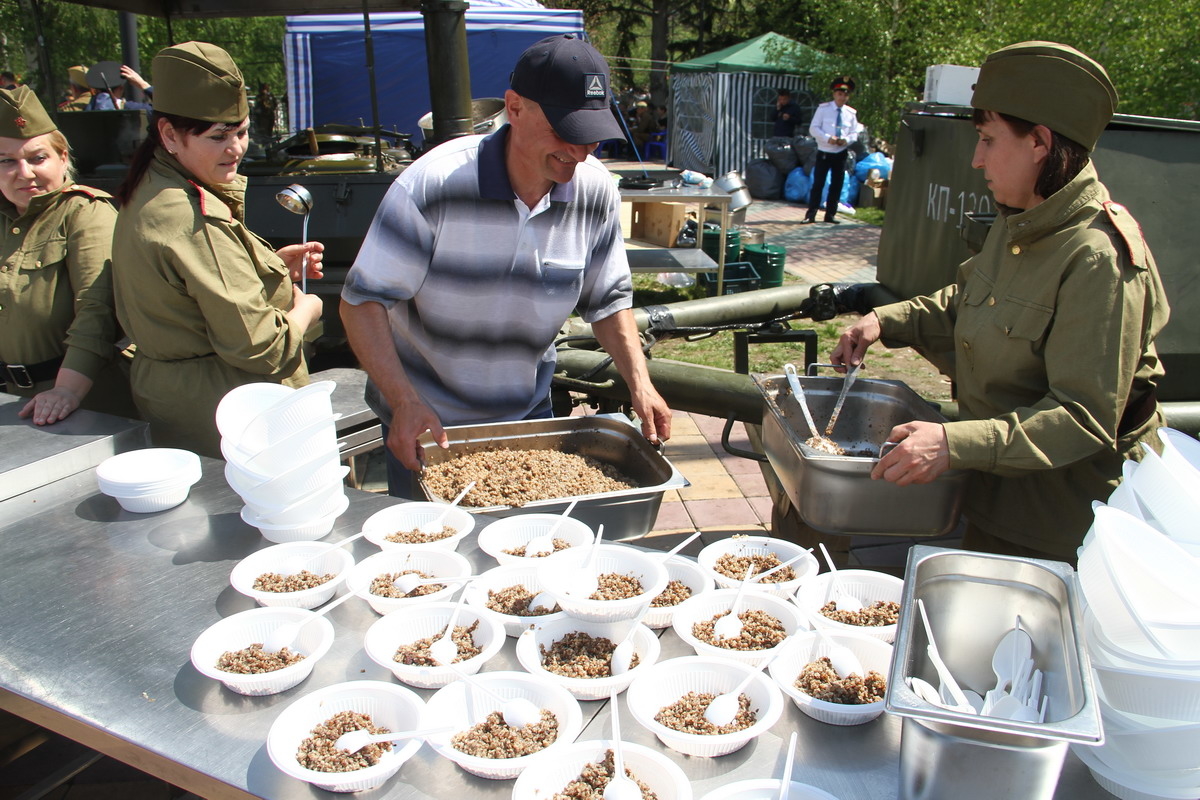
(373, 578)
(685, 580)
(577, 655)
(669, 700)
(265, 576)
(506, 538)
(400, 642)
(509, 592)
(878, 592)
(580, 771)
(728, 559)
(767, 622)
(629, 580)
(301, 740)
(399, 526)
(482, 743)
(231, 650)
(805, 674)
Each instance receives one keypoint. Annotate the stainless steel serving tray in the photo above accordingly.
(609, 438)
(835, 494)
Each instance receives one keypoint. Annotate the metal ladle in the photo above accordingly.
(298, 200)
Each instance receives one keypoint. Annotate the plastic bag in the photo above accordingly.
(764, 181)
(687, 234)
(797, 186)
(877, 161)
(676, 280)
(779, 152)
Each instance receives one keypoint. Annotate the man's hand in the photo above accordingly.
(655, 415)
(852, 347)
(922, 454)
(409, 421)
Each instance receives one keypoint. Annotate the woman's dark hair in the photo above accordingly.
(1066, 159)
(145, 152)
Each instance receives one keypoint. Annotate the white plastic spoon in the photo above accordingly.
(445, 649)
(622, 656)
(777, 567)
(841, 600)
(407, 582)
(924, 690)
(665, 557)
(586, 580)
(296, 564)
(798, 391)
(620, 786)
(285, 634)
(730, 625)
(518, 712)
(785, 782)
(841, 658)
(960, 700)
(1014, 648)
(357, 740)
(723, 708)
(435, 525)
(544, 544)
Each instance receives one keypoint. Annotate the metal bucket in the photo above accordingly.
(487, 115)
(732, 183)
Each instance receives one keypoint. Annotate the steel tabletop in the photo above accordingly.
(102, 606)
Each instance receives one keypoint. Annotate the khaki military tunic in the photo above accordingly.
(1053, 326)
(56, 298)
(204, 300)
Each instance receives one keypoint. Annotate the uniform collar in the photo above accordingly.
(36, 204)
(232, 195)
(1057, 209)
(493, 172)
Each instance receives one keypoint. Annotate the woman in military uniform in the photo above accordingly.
(210, 305)
(1052, 324)
(57, 325)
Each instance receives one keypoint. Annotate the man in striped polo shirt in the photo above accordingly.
(481, 250)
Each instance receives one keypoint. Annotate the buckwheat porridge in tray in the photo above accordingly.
(506, 477)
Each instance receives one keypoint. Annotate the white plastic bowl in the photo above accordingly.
(557, 574)
(285, 416)
(149, 480)
(425, 620)
(529, 653)
(766, 789)
(509, 533)
(784, 550)
(866, 585)
(308, 531)
(436, 563)
(334, 561)
(152, 503)
(688, 572)
(709, 604)
(1149, 742)
(1139, 785)
(667, 681)
(463, 706)
(546, 778)
(409, 516)
(242, 404)
(1143, 588)
(321, 502)
(804, 648)
(499, 578)
(315, 438)
(389, 706)
(286, 488)
(1166, 692)
(1171, 496)
(243, 629)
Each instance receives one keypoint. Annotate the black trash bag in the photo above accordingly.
(687, 234)
(764, 181)
(779, 152)
(805, 148)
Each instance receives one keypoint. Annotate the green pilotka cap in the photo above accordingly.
(199, 80)
(22, 115)
(1049, 84)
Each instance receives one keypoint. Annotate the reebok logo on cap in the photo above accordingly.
(594, 86)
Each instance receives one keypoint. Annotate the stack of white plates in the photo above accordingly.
(281, 452)
(153, 479)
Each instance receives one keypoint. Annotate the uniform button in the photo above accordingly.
(991, 301)
(16, 230)
(966, 345)
(1116, 208)
(37, 264)
(1016, 249)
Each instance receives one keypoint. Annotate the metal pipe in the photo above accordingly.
(127, 25)
(369, 46)
(449, 69)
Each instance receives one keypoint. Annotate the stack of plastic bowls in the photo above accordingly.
(1167, 488)
(281, 452)
(1142, 633)
(153, 479)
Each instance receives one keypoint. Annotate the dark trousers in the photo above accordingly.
(833, 165)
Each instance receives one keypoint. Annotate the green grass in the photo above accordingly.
(871, 216)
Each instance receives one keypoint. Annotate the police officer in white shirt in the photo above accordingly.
(834, 126)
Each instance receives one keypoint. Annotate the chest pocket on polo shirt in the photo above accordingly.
(561, 275)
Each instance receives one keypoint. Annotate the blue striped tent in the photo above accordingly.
(325, 59)
(722, 105)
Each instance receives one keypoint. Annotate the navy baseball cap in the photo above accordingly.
(569, 79)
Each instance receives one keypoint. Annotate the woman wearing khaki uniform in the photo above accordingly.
(57, 325)
(209, 304)
(1052, 324)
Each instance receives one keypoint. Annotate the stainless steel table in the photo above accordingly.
(663, 259)
(102, 605)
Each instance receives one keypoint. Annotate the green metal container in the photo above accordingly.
(711, 244)
(768, 260)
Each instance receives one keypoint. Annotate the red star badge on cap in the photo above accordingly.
(20, 122)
